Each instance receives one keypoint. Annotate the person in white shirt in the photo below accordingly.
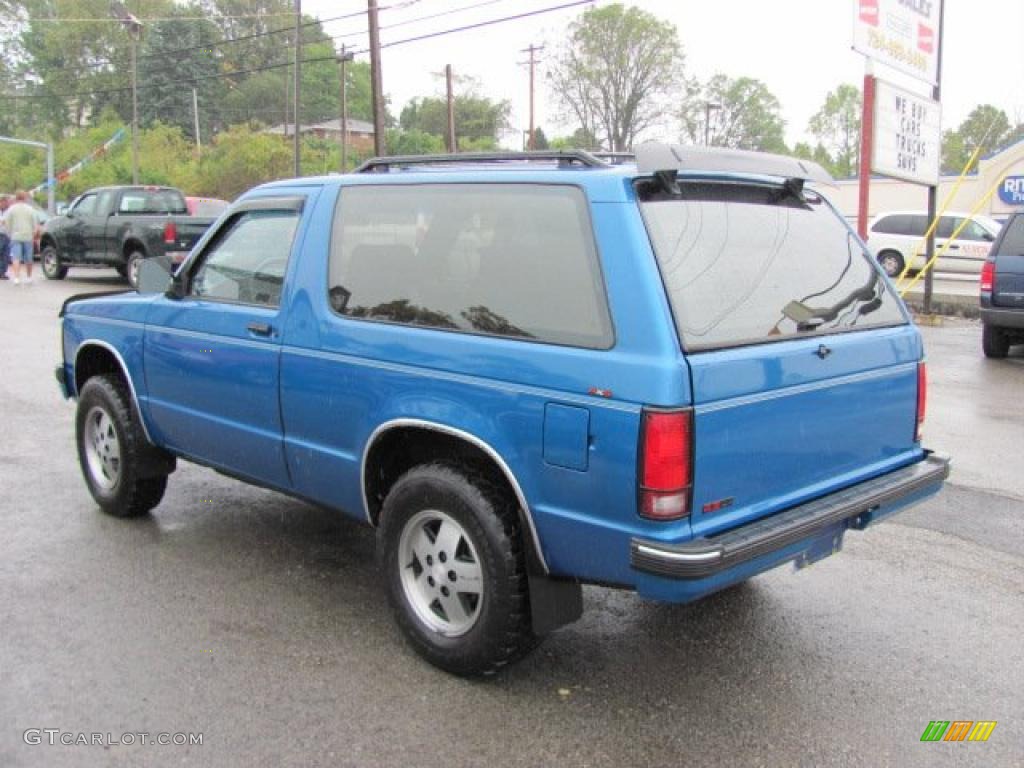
(20, 223)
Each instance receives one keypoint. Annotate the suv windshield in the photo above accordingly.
(746, 262)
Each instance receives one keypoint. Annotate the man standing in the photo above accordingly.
(5, 240)
(20, 222)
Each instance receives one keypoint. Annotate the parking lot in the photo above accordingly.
(258, 621)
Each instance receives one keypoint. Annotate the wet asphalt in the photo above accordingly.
(260, 622)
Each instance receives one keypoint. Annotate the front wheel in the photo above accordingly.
(453, 565)
(111, 449)
(52, 268)
(994, 343)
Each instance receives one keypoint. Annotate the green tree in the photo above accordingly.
(746, 115)
(60, 60)
(167, 76)
(837, 126)
(477, 118)
(540, 139)
(986, 127)
(616, 71)
(413, 142)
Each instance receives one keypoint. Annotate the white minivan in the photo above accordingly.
(898, 236)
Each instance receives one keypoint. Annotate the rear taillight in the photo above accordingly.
(170, 233)
(988, 276)
(666, 464)
(922, 398)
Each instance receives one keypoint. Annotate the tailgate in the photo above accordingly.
(778, 424)
(804, 366)
(189, 230)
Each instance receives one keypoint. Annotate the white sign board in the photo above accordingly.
(902, 34)
(908, 134)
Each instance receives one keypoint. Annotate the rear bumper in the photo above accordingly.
(1002, 318)
(765, 543)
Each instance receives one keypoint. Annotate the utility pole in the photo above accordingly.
(532, 50)
(195, 116)
(298, 79)
(933, 192)
(134, 27)
(376, 81)
(450, 137)
(343, 57)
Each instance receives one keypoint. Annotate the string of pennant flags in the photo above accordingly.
(96, 154)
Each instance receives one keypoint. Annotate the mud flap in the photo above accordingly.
(554, 603)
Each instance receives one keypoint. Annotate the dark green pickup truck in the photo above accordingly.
(118, 227)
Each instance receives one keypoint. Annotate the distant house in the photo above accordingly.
(360, 132)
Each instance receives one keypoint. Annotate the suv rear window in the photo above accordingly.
(512, 260)
(745, 263)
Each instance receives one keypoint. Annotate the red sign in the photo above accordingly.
(869, 12)
(925, 38)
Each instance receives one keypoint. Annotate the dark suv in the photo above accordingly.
(1002, 291)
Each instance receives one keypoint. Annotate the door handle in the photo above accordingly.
(953, 247)
(260, 329)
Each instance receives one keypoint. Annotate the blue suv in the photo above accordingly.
(528, 372)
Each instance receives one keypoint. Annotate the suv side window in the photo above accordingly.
(247, 261)
(973, 231)
(515, 260)
(1012, 243)
(947, 225)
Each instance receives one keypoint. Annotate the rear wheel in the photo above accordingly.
(110, 450)
(892, 262)
(994, 343)
(51, 265)
(131, 267)
(454, 568)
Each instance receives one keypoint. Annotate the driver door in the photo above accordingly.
(212, 356)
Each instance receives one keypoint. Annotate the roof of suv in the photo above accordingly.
(607, 177)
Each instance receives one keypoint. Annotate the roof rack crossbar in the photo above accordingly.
(563, 157)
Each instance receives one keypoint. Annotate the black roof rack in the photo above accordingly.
(615, 158)
(562, 157)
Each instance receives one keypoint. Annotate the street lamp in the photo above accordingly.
(344, 56)
(708, 106)
(134, 27)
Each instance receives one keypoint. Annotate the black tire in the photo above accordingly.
(994, 343)
(131, 267)
(892, 263)
(51, 265)
(105, 412)
(499, 631)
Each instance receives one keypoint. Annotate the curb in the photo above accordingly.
(946, 304)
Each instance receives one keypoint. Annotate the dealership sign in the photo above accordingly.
(907, 135)
(1011, 191)
(902, 34)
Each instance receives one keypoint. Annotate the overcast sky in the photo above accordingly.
(799, 48)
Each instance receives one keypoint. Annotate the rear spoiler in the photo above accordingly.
(666, 160)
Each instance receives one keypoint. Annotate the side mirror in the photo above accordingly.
(154, 277)
(989, 237)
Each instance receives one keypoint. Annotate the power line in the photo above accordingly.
(208, 46)
(252, 70)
